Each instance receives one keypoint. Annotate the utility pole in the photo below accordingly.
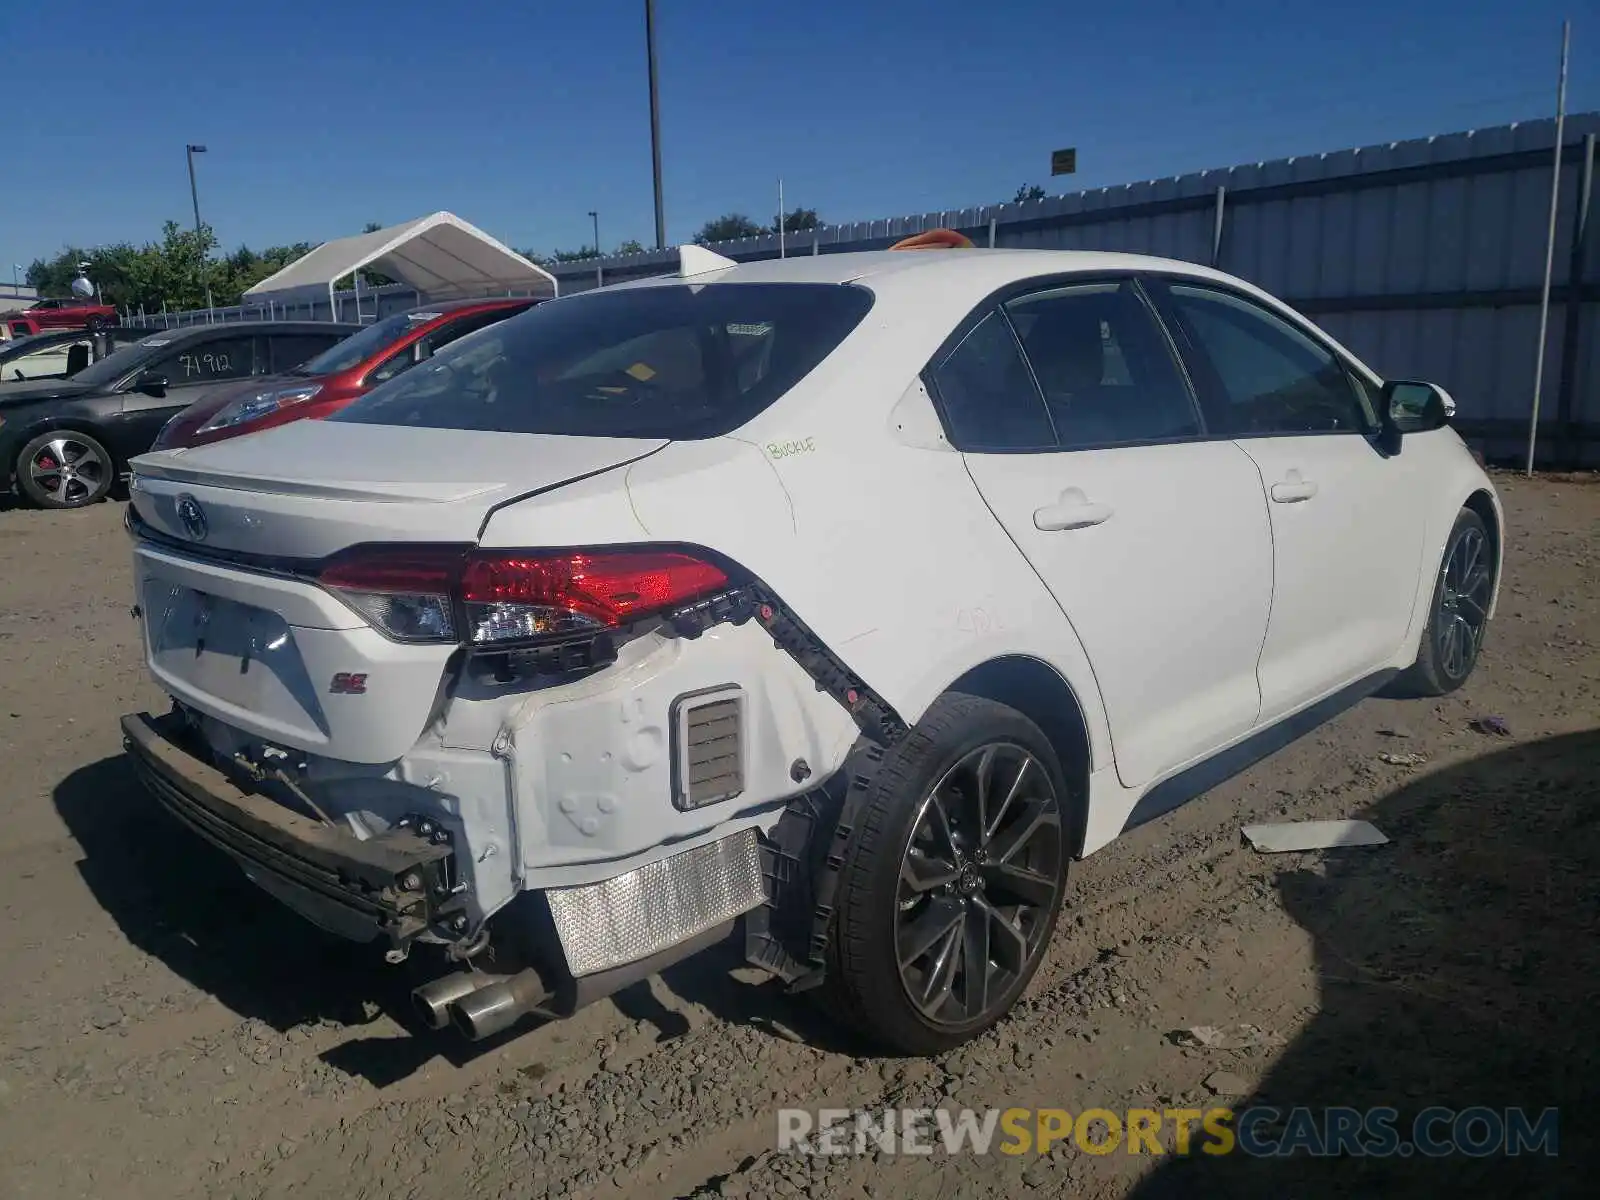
(599, 277)
(655, 120)
(1550, 243)
(780, 219)
(199, 237)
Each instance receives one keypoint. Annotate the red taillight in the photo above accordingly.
(512, 596)
(610, 589)
(433, 570)
(406, 591)
(508, 595)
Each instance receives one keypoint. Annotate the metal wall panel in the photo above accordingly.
(1423, 257)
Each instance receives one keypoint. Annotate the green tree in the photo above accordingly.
(727, 228)
(173, 271)
(798, 221)
(245, 268)
(1028, 191)
(53, 277)
(631, 246)
(578, 255)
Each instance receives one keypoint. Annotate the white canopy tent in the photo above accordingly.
(441, 256)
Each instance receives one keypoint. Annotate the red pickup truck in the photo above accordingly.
(69, 313)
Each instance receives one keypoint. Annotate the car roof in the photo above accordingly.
(240, 328)
(995, 267)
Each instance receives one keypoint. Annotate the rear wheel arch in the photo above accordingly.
(1040, 693)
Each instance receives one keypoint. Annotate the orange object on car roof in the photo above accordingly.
(935, 239)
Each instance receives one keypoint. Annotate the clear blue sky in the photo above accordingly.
(521, 116)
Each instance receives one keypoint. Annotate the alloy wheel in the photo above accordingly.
(1463, 603)
(67, 470)
(980, 878)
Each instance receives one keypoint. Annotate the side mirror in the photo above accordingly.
(151, 383)
(1410, 406)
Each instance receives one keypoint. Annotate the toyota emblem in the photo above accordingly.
(193, 517)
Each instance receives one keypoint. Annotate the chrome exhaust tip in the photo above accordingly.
(433, 999)
(498, 1006)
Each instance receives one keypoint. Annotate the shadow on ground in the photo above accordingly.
(1459, 967)
(187, 904)
(181, 900)
(720, 981)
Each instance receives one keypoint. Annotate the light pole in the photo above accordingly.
(199, 237)
(599, 281)
(655, 120)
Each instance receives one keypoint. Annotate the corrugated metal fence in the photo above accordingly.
(367, 306)
(1424, 257)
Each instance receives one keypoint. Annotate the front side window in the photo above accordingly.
(1265, 376)
(1103, 366)
(986, 393)
(667, 361)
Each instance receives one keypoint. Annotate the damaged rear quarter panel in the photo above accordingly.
(592, 758)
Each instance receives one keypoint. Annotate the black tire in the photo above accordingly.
(1458, 613)
(63, 468)
(95, 324)
(885, 903)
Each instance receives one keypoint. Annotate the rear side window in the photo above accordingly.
(987, 394)
(673, 361)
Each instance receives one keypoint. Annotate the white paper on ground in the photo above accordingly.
(1312, 835)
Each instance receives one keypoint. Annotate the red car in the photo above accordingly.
(338, 375)
(70, 313)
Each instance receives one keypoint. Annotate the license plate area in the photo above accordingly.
(228, 655)
(221, 635)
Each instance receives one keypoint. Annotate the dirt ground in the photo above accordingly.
(167, 1031)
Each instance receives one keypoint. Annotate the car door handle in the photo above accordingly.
(1073, 511)
(1293, 489)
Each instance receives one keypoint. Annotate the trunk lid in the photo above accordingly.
(248, 638)
(310, 488)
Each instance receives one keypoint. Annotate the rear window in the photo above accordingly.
(676, 361)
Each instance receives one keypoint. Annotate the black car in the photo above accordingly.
(64, 442)
(59, 353)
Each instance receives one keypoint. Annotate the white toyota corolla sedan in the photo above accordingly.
(837, 602)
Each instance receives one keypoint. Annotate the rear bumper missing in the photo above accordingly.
(591, 939)
(395, 886)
